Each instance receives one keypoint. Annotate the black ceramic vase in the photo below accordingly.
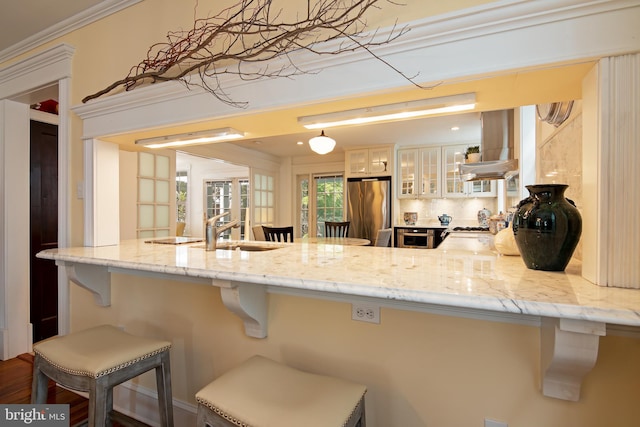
(547, 227)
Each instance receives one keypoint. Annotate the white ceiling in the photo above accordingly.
(21, 19)
(426, 131)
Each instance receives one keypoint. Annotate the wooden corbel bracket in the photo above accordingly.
(569, 349)
(249, 302)
(94, 278)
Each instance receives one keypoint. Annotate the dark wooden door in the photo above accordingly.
(44, 228)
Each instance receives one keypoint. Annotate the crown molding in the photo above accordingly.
(86, 17)
(486, 40)
(475, 22)
(57, 53)
(36, 71)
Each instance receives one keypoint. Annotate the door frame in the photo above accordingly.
(45, 69)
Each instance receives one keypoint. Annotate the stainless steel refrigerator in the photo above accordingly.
(368, 206)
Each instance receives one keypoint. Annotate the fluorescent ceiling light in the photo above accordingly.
(398, 111)
(191, 138)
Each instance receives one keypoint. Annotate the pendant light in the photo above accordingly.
(322, 144)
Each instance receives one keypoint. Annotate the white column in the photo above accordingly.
(15, 326)
(64, 199)
(611, 172)
(102, 201)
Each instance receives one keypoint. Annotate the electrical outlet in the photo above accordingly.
(494, 423)
(365, 312)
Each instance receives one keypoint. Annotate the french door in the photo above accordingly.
(230, 195)
(320, 199)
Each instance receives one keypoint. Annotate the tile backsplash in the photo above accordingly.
(463, 210)
(559, 159)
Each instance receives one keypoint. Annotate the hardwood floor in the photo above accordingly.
(15, 387)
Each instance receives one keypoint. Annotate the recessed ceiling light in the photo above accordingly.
(300, 143)
(455, 128)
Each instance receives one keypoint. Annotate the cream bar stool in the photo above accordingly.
(264, 393)
(97, 359)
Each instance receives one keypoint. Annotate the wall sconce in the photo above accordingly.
(191, 138)
(322, 144)
(388, 112)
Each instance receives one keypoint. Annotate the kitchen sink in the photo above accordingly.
(249, 247)
(178, 240)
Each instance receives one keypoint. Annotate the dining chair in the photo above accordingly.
(278, 234)
(336, 229)
(383, 237)
(258, 233)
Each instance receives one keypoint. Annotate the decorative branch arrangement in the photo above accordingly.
(242, 40)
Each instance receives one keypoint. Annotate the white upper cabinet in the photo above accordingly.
(426, 172)
(407, 173)
(453, 185)
(365, 162)
(419, 171)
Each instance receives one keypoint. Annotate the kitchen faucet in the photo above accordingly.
(212, 232)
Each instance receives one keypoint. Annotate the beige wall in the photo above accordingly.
(128, 194)
(421, 370)
(106, 50)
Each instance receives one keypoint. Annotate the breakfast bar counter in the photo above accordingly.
(462, 277)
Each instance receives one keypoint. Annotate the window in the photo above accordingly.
(220, 196)
(263, 199)
(323, 201)
(303, 192)
(153, 195)
(182, 185)
(244, 206)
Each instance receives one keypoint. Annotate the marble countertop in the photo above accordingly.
(462, 272)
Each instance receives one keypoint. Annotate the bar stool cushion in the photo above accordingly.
(261, 392)
(98, 351)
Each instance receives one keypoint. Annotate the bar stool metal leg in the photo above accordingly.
(163, 381)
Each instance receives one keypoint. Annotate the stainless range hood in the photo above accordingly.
(496, 147)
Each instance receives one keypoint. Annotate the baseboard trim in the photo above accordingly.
(4, 344)
(141, 403)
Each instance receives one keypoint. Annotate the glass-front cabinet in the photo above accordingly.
(407, 172)
(369, 162)
(454, 185)
(434, 172)
(430, 171)
(419, 172)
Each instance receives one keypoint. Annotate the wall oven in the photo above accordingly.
(415, 237)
